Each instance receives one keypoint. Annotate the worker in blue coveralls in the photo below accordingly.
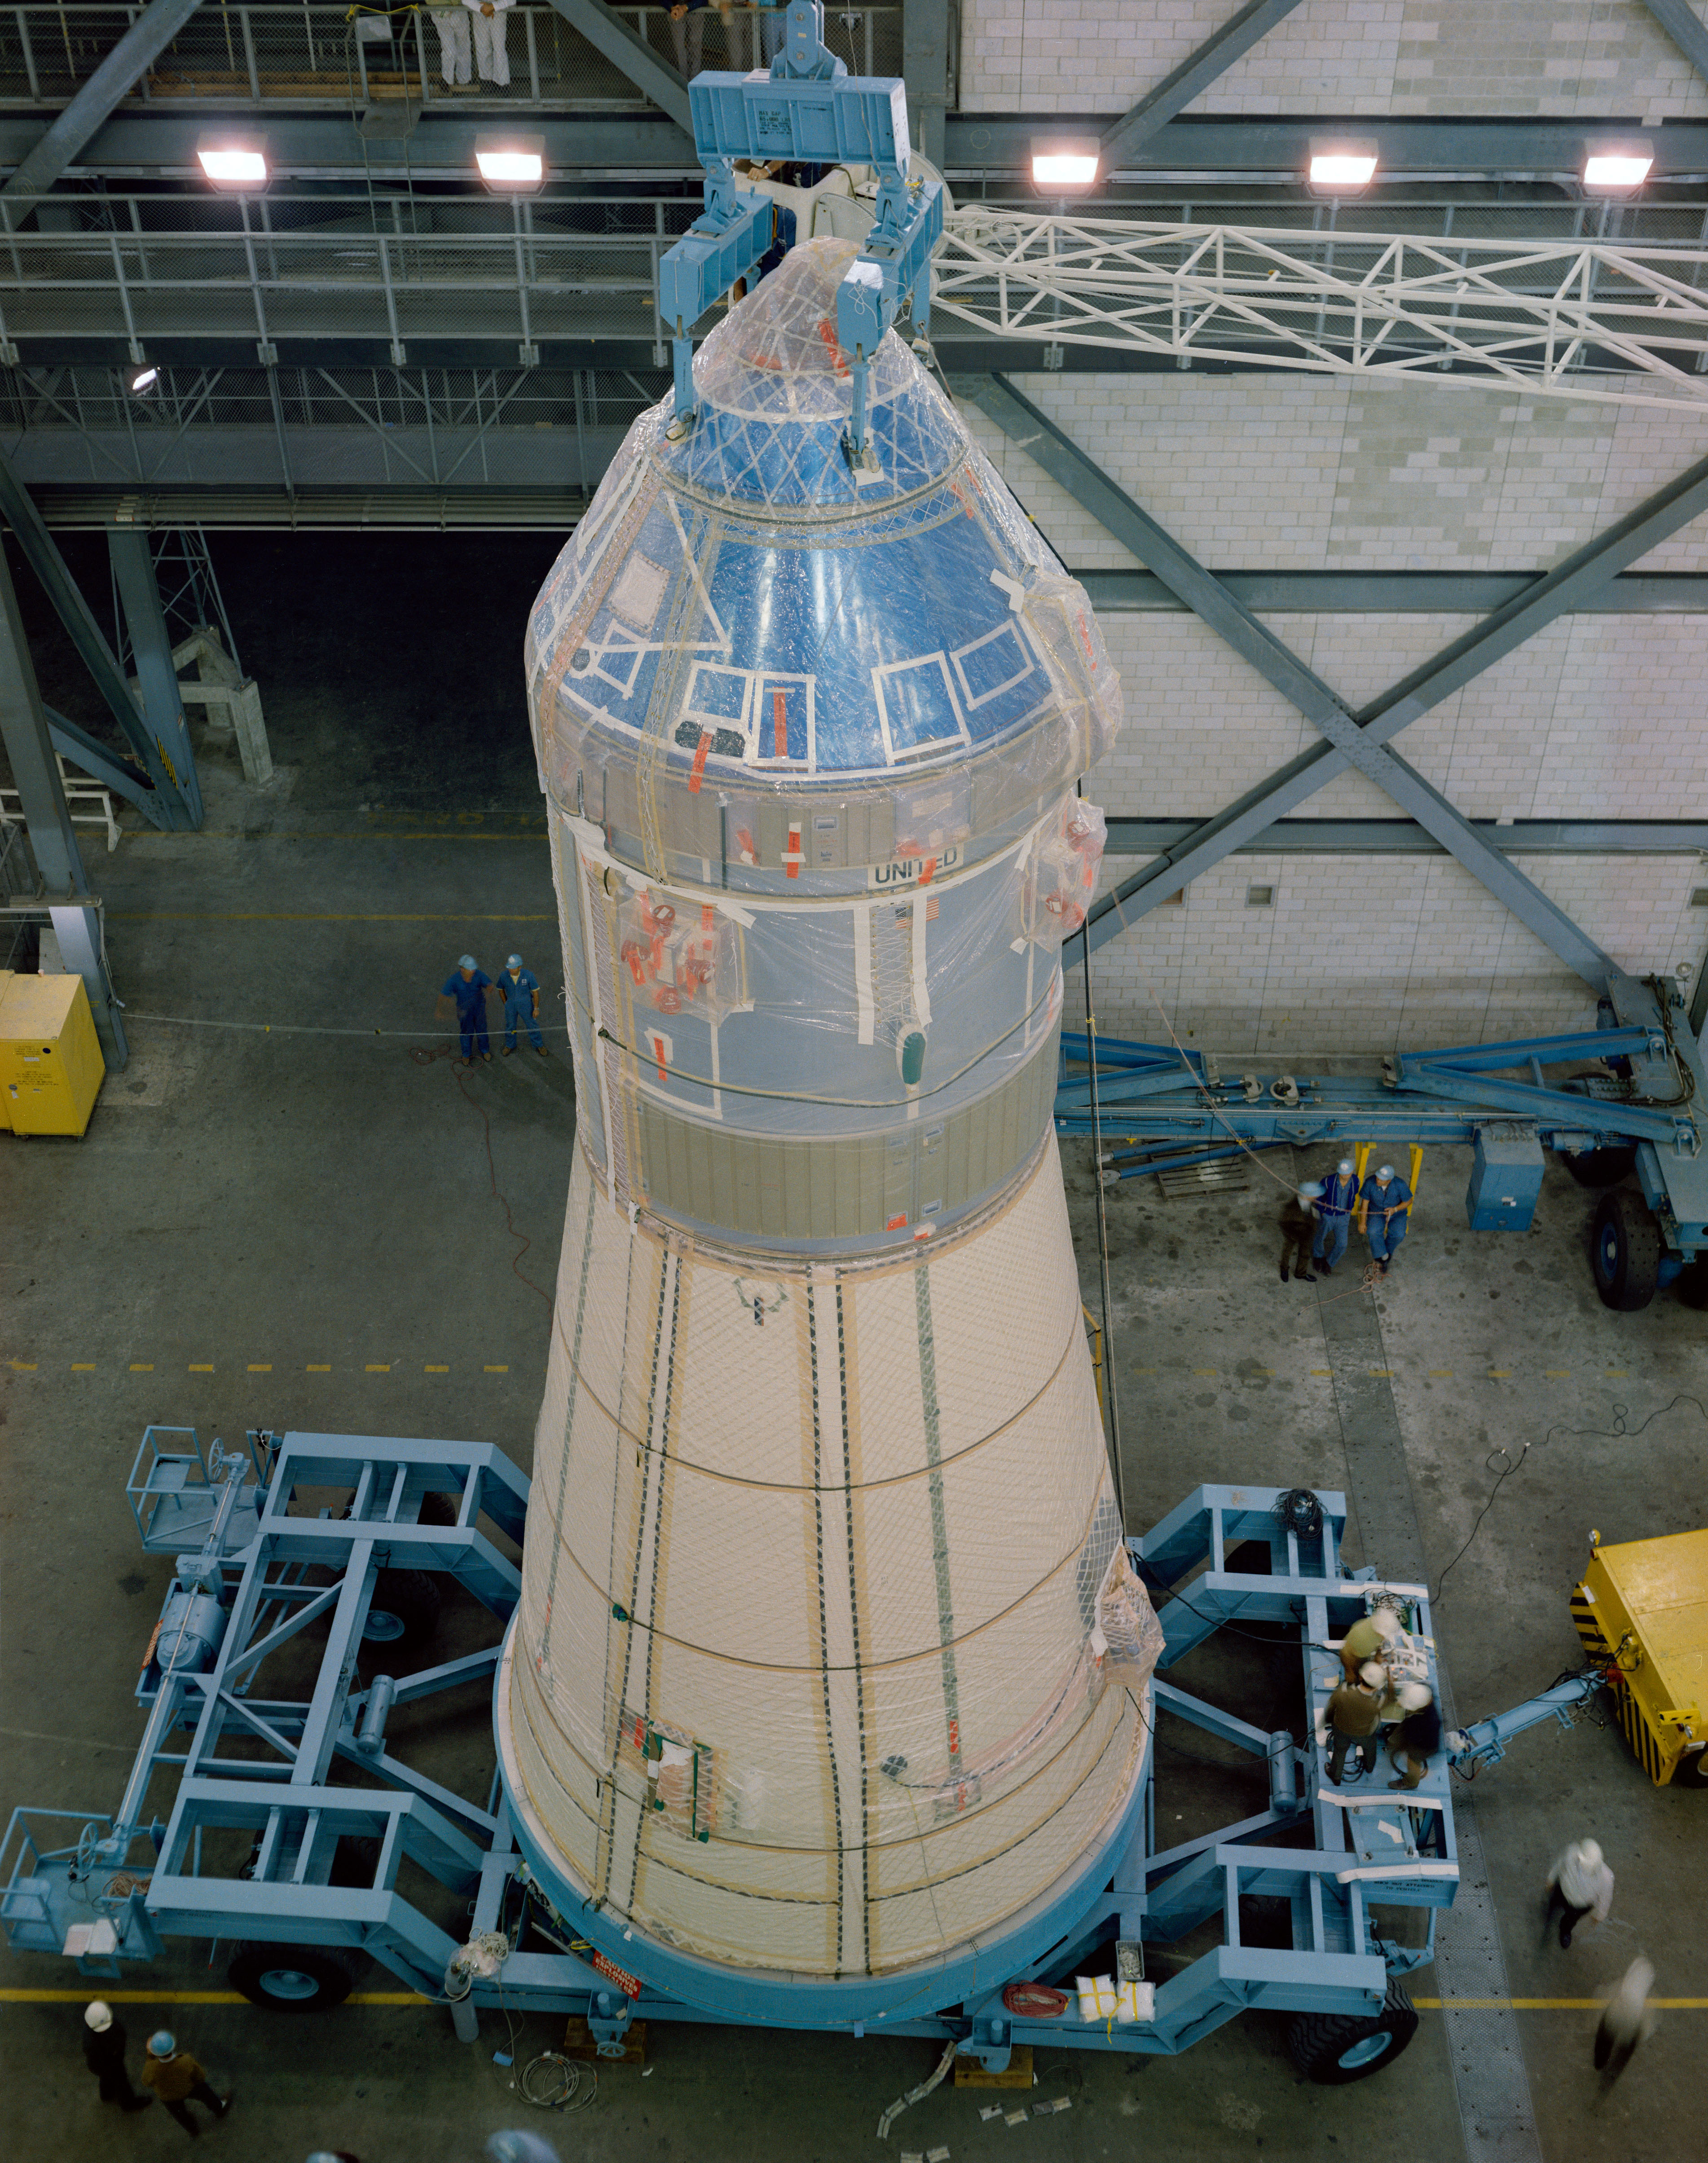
(1384, 1211)
(1335, 1207)
(521, 989)
(466, 984)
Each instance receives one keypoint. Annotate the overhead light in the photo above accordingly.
(1606, 170)
(232, 164)
(1071, 163)
(138, 380)
(512, 164)
(1343, 166)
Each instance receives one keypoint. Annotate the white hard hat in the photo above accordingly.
(98, 2016)
(1388, 1623)
(1414, 1695)
(1345, 1167)
(1384, 1172)
(469, 961)
(1589, 1853)
(1373, 1672)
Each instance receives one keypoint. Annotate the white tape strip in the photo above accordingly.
(864, 1001)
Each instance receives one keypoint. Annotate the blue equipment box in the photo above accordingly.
(1506, 1178)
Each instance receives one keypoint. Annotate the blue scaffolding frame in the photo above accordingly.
(259, 1558)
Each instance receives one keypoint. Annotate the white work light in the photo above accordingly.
(1606, 171)
(514, 166)
(232, 164)
(1070, 163)
(139, 381)
(1341, 167)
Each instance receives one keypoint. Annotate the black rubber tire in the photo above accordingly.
(1625, 1251)
(294, 1978)
(1602, 1167)
(1693, 1283)
(404, 1611)
(1691, 1772)
(1318, 2043)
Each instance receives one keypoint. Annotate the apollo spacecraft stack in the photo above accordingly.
(830, 1669)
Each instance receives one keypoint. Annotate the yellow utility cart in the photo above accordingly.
(1641, 1611)
(51, 1062)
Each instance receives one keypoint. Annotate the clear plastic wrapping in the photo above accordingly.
(828, 1657)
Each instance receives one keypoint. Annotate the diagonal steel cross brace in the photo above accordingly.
(1352, 738)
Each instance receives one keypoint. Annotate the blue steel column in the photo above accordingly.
(151, 644)
(74, 912)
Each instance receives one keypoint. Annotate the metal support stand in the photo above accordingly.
(74, 911)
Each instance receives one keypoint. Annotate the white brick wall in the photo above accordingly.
(1597, 716)
(1371, 953)
(1343, 57)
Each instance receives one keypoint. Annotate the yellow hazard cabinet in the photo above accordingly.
(51, 1062)
(1642, 1610)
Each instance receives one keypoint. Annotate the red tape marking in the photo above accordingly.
(697, 772)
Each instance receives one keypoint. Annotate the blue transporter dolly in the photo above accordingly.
(1640, 1109)
(288, 1816)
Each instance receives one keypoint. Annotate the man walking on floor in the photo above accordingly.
(1338, 1199)
(1298, 1227)
(103, 2053)
(1384, 1212)
(521, 992)
(468, 985)
(1579, 1884)
(179, 2080)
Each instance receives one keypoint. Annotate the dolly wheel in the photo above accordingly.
(293, 1978)
(1334, 2048)
(1691, 1772)
(1625, 1251)
(1602, 1167)
(404, 1611)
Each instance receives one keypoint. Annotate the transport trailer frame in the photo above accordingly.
(1161, 1107)
(319, 1891)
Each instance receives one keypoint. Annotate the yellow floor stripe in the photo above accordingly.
(82, 1366)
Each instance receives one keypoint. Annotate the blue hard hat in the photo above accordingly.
(162, 2044)
(1311, 1190)
(514, 961)
(469, 961)
(1384, 1172)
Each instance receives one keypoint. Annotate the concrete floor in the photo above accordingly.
(249, 1207)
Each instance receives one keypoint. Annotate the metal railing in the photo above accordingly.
(292, 51)
(369, 266)
(1568, 318)
(551, 432)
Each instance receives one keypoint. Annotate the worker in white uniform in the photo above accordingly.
(1579, 1884)
(1626, 2021)
(491, 61)
(452, 25)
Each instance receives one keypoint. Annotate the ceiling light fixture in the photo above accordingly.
(233, 165)
(1069, 164)
(514, 166)
(1341, 167)
(1608, 170)
(139, 381)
